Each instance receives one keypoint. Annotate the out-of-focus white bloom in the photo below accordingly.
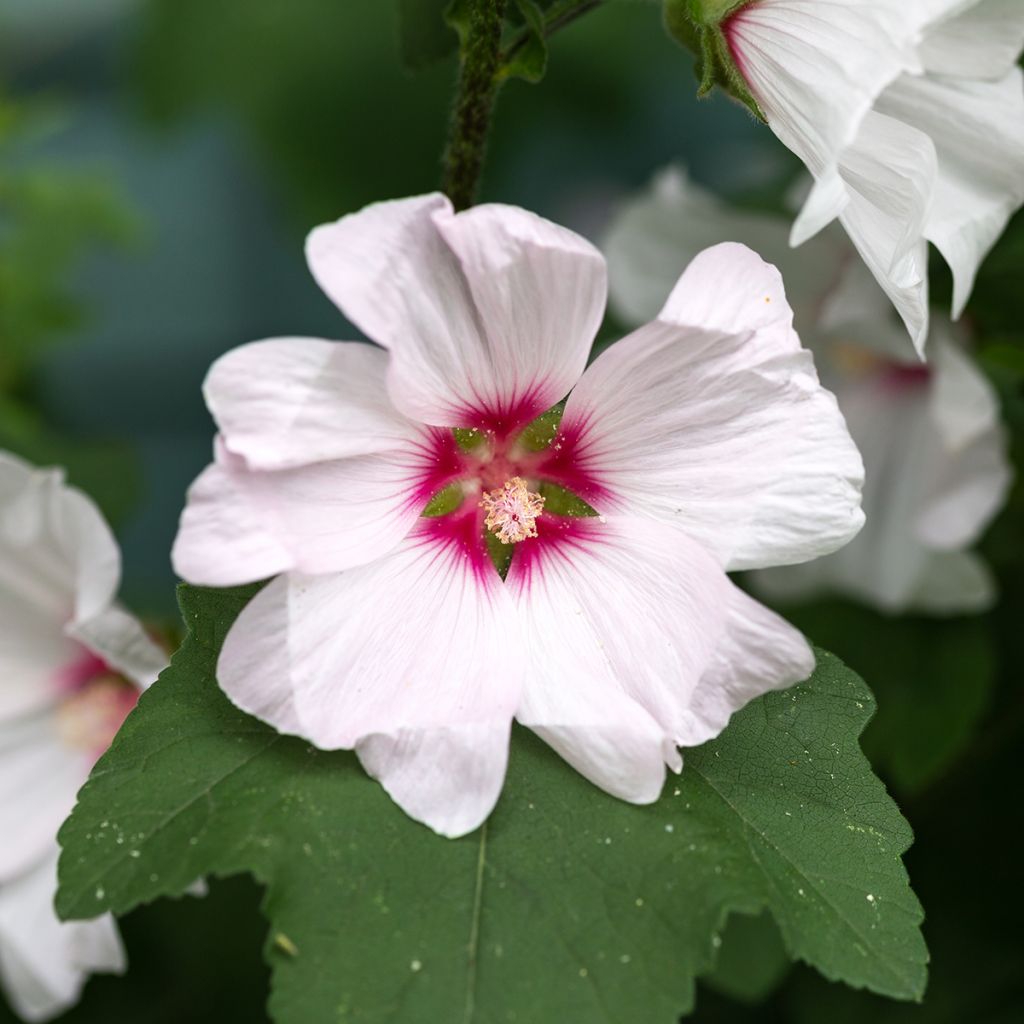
(703, 439)
(71, 666)
(910, 116)
(930, 434)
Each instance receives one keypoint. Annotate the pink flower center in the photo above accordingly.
(509, 486)
(96, 704)
(512, 511)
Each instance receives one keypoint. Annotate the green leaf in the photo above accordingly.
(568, 906)
(424, 35)
(527, 58)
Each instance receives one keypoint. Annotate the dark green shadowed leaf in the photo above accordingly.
(568, 907)
(752, 960)
(933, 677)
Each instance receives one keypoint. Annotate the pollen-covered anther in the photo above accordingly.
(512, 511)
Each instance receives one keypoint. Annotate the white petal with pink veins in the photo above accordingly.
(44, 962)
(288, 402)
(242, 525)
(485, 311)
(717, 423)
(817, 66)
(414, 661)
(39, 778)
(621, 619)
(540, 290)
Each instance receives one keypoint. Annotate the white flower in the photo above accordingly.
(704, 439)
(933, 445)
(910, 116)
(71, 665)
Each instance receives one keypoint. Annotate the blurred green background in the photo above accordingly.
(160, 163)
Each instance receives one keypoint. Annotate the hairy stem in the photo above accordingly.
(474, 101)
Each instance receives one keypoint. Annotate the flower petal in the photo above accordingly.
(984, 41)
(890, 172)
(59, 566)
(540, 290)
(487, 314)
(413, 661)
(592, 595)
(712, 418)
(44, 962)
(972, 473)
(39, 777)
(924, 496)
(759, 652)
(816, 66)
(656, 235)
(954, 583)
(119, 639)
(56, 546)
(240, 525)
(289, 402)
(978, 131)
(223, 539)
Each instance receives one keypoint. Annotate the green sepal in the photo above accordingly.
(468, 438)
(447, 500)
(539, 434)
(696, 26)
(560, 501)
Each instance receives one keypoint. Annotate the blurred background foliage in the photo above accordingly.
(160, 162)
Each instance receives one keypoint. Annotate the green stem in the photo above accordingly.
(474, 101)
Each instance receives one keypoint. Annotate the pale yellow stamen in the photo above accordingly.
(855, 360)
(88, 719)
(512, 511)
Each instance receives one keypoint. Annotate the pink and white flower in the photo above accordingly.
(71, 666)
(910, 116)
(703, 439)
(931, 436)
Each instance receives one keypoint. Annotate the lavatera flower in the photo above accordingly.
(908, 113)
(73, 663)
(703, 440)
(933, 443)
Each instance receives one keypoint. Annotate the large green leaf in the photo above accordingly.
(568, 906)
